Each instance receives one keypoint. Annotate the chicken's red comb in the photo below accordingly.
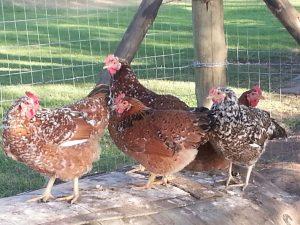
(110, 58)
(119, 98)
(212, 91)
(257, 89)
(31, 95)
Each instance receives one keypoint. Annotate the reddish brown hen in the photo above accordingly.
(251, 97)
(125, 81)
(60, 143)
(163, 141)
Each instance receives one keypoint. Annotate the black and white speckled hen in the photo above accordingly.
(239, 132)
(60, 143)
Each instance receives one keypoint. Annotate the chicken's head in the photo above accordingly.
(222, 94)
(120, 104)
(216, 95)
(255, 96)
(112, 64)
(29, 105)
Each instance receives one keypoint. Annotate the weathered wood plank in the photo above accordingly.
(108, 199)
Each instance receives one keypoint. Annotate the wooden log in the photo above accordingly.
(287, 15)
(134, 34)
(210, 47)
(108, 199)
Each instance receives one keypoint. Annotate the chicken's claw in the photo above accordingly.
(138, 168)
(42, 198)
(70, 199)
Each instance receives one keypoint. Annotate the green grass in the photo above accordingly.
(63, 47)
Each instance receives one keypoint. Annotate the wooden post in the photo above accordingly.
(210, 47)
(134, 34)
(287, 15)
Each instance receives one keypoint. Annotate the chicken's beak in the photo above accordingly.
(105, 67)
(113, 107)
(209, 97)
(262, 97)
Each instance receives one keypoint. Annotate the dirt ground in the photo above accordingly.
(81, 4)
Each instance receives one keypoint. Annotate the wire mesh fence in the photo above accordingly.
(55, 49)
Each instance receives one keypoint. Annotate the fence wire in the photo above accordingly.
(55, 48)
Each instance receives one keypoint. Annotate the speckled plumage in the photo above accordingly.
(240, 132)
(62, 142)
(125, 81)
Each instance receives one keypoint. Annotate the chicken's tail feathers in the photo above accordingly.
(279, 131)
(99, 89)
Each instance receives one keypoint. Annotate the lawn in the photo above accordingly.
(55, 52)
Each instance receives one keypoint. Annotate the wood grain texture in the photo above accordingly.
(108, 199)
(210, 47)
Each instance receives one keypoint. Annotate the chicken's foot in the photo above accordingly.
(243, 185)
(47, 193)
(74, 197)
(138, 168)
(152, 182)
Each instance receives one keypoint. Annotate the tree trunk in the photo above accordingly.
(287, 15)
(210, 47)
(134, 34)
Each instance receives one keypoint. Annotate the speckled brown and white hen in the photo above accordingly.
(60, 143)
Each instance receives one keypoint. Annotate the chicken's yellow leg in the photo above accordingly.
(74, 197)
(138, 168)
(47, 193)
(249, 170)
(229, 175)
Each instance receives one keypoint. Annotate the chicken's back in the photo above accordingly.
(125, 81)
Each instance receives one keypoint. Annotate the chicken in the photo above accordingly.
(60, 143)
(204, 162)
(239, 132)
(251, 97)
(163, 141)
(125, 81)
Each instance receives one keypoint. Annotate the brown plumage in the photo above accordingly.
(125, 81)
(163, 141)
(60, 143)
(243, 98)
